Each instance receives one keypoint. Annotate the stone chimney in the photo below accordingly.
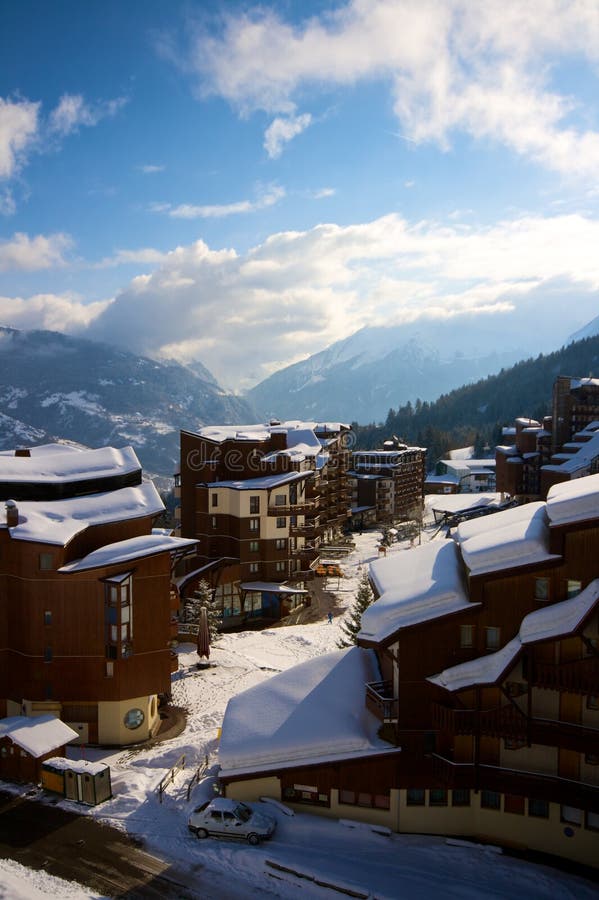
(12, 513)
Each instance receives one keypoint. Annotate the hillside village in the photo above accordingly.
(468, 704)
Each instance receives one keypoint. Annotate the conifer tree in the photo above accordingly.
(352, 622)
(202, 596)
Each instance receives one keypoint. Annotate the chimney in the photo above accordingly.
(12, 513)
(23, 451)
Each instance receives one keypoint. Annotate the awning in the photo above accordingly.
(272, 587)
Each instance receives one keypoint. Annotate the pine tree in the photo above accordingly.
(203, 597)
(353, 620)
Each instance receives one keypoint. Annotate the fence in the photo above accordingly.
(170, 775)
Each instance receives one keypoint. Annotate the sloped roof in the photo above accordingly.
(62, 466)
(574, 501)
(305, 715)
(414, 586)
(37, 735)
(131, 549)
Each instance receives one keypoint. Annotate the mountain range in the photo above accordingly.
(359, 378)
(54, 386)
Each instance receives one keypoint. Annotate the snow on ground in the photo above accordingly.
(19, 883)
(396, 866)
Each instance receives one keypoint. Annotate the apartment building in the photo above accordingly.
(564, 446)
(261, 500)
(388, 482)
(86, 603)
(470, 705)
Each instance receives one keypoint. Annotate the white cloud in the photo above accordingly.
(297, 292)
(18, 128)
(8, 207)
(145, 255)
(322, 193)
(282, 130)
(268, 197)
(56, 312)
(28, 254)
(73, 111)
(150, 169)
(481, 68)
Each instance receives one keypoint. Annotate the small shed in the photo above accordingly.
(26, 742)
(77, 779)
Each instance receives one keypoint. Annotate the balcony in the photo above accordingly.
(502, 721)
(551, 788)
(581, 676)
(301, 575)
(297, 509)
(381, 702)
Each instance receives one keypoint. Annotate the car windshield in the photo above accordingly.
(243, 812)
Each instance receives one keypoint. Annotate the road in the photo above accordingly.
(77, 848)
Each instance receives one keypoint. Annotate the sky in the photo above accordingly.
(244, 184)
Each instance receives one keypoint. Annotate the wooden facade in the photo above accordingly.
(391, 481)
(91, 643)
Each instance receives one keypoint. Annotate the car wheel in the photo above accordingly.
(253, 839)
(202, 833)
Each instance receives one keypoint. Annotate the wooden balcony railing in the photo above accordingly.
(301, 575)
(381, 702)
(551, 788)
(296, 509)
(581, 676)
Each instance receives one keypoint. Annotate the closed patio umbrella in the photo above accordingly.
(203, 634)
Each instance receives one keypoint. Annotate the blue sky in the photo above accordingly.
(245, 184)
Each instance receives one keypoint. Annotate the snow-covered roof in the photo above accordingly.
(296, 431)
(462, 453)
(303, 716)
(63, 466)
(573, 501)
(58, 521)
(584, 456)
(441, 479)
(83, 766)
(513, 537)
(264, 483)
(273, 586)
(527, 423)
(555, 621)
(52, 448)
(414, 586)
(481, 671)
(37, 735)
(559, 619)
(507, 449)
(455, 503)
(583, 382)
(125, 551)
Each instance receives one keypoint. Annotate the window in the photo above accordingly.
(492, 638)
(514, 743)
(254, 524)
(591, 759)
(490, 800)
(515, 688)
(538, 808)
(280, 543)
(48, 617)
(466, 636)
(133, 718)
(415, 796)
(254, 567)
(280, 499)
(215, 499)
(437, 797)
(460, 797)
(541, 589)
(214, 521)
(109, 669)
(254, 505)
(305, 793)
(46, 561)
(591, 647)
(254, 546)
(118, 616)
(593, 701)
(571, 815)
(48, 654)
(280, 566)
(573, 588)
(430, 742)
(281, 521)
(366, 799)
(592, 821)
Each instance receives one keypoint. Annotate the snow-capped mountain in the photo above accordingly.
(362, 376)
(588, 330)
(54, 386)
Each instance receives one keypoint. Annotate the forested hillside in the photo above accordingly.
(474, 414)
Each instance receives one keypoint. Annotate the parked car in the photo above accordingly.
(222, 817)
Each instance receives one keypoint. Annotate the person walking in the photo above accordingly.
(330, 618)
